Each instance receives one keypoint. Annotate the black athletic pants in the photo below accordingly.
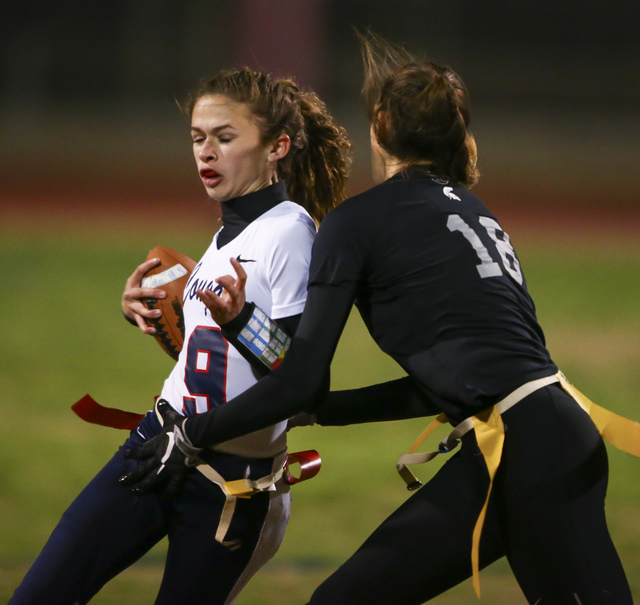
(107, 528)
(546, 515)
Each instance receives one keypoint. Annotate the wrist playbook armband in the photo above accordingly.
(263, 339)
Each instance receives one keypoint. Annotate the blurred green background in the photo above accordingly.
(63, 336)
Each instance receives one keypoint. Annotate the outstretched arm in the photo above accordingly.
(395, 400)
(298, 384)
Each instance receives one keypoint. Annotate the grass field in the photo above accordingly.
(63, 336)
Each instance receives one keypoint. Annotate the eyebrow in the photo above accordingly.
(215, 130)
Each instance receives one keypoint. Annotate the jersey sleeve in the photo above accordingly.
(395, 400)
(341, 250)
(288, 270)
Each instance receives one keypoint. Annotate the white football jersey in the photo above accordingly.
(274, 250)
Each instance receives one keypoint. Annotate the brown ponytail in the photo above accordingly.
(317, 165)
(316, 174)
(419, 110)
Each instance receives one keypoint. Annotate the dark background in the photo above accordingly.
(88, 89)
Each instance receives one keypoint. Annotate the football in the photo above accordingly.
(171, 275)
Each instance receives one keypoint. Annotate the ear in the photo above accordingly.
(381, 122)
(280, 147)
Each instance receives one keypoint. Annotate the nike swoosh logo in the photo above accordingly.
(244, 260)
(167, 452)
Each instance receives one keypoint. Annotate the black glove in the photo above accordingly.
(165, 458)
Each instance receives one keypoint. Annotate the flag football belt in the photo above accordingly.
(246, 488)
(620, 432)
(240, 488)
(310, 462)
(232, 490)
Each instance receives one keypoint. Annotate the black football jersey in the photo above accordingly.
(439, 286)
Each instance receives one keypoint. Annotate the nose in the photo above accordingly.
(206, 153)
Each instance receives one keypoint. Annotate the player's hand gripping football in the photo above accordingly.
(227, 306)
(133, 306)
(164, 459)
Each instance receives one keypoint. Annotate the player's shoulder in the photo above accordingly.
(373, 206)
(286, 216)
(354, 222)
(372, 196)
(357, 209)
(283, 229)
(404, 185)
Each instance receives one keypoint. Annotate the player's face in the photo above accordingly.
(231, 158)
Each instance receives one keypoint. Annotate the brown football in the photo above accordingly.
(171, 275)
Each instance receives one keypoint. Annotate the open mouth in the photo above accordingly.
(210, 177)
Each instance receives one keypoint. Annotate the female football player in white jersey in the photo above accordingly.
(441, 289)
(257, 140)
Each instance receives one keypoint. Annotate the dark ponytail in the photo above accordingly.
(419, 110)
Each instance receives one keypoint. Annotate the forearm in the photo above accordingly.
(222, 424)
(394, 400)
(274, 398)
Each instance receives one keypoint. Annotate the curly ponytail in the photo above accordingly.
(317, 165)
(419, 110)
(316, 173)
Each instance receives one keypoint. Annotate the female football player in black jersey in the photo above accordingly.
(441, 291)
